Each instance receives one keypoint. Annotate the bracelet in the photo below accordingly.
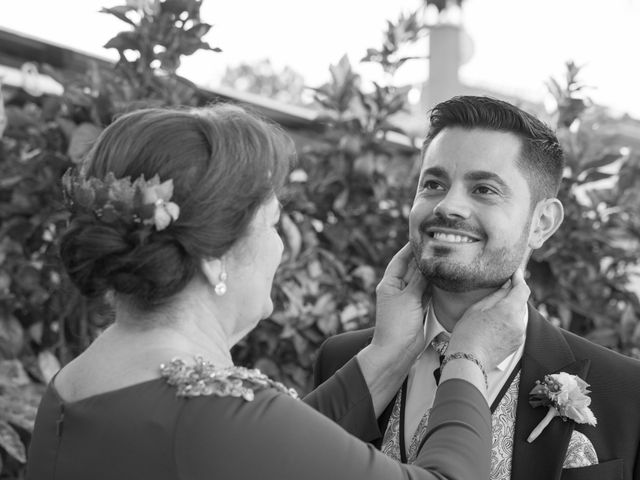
(466, 356)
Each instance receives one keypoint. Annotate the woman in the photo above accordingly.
(190, 256)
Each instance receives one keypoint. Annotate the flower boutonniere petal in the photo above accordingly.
(567, 396)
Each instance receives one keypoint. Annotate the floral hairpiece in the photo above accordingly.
(566, 396)
(112, 200)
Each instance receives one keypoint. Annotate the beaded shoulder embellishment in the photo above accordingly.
(203, 378)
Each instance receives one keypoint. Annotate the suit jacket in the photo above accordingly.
(615, 392)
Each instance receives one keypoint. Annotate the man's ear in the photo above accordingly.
(212, 269)
(547, 217)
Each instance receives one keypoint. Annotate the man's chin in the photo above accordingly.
(456, 285)
(459, 281)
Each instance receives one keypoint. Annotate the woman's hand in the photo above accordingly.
(493, 328)
(400, 306)
(399, 332)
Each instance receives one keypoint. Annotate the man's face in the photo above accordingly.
(469, 224)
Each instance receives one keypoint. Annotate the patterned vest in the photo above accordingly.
(580, 452)
(502, 426)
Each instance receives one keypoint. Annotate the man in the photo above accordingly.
(486, 199)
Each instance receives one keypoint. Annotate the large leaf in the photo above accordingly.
(13, 374)
(595, 176)
(120, 13)
(328, 324)
(11, 337)
(176, 7)
(82, 139)
(9, 182)
(602, 161)
(199, 30)
(19, 407)
(124, 41)
(10, 441)
(48, 364)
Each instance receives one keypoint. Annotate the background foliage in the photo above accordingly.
(346, 211)
(264, 79)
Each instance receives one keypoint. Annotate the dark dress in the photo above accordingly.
(147, 431)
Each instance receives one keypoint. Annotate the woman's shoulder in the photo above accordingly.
(228, 412)
(205, 379)
(220, 403)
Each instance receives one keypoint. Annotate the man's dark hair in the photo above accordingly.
(541, 158)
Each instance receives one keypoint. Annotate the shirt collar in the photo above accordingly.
(432, 327)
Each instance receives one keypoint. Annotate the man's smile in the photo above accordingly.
(451, 236)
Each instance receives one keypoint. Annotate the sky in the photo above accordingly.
(516, 45)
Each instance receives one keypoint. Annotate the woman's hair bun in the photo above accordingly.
(100, 258)
(221, 164)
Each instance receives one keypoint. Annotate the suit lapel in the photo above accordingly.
(545, 352)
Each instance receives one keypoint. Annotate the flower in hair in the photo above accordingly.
(119, 200)
(566, 396)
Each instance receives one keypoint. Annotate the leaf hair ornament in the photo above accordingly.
(138, 204)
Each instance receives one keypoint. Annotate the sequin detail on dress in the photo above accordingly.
(204, 378)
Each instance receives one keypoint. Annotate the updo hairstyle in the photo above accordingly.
(224, 163)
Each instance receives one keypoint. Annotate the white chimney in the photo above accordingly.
(444, 63)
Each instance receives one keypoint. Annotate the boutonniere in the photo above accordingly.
(566, 396)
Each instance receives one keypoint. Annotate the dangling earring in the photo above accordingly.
(221, 287)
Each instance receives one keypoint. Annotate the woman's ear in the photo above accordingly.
(547, 217)
(212, 270)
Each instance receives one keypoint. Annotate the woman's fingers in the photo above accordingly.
(411, 270)
(520, 291)
(416, 283)
(397, 267)
(515, 290)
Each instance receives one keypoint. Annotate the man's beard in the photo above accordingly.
(490, 269)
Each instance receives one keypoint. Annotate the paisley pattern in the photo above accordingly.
(580, 452)
(391, 440)
(416, 440)
(502, 426)
(204, 378)
(503, 421)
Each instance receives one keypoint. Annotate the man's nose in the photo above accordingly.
(453, 205)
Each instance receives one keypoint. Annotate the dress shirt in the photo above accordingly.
(421, 384)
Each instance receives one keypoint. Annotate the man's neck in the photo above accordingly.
(450, 306)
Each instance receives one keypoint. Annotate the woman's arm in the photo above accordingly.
(275, 438)
(345, 399)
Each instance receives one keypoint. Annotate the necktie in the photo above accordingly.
(440, 344)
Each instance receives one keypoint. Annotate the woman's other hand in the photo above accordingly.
(494, 327)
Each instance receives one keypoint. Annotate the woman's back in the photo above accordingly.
(106, 436)
(221, 423)
(148, 430)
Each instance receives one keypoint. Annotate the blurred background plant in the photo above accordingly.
(586, 275)
(345, 209)
(264, 79)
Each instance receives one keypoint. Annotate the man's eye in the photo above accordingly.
(432, 185)
(483, 190)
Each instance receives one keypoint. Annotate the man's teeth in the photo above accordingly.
(448, 237)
